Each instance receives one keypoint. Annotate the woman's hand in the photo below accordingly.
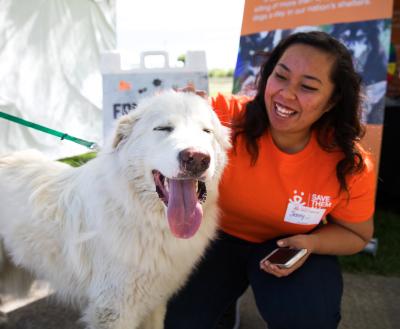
(296, 241)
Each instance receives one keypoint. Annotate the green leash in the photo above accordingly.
(90, 145)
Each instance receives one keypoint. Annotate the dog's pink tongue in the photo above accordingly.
(184, 210)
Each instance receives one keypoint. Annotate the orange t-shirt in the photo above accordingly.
(285, 194)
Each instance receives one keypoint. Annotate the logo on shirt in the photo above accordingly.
(320, 201)
(298, 199)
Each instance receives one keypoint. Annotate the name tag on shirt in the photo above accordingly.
(303, 215)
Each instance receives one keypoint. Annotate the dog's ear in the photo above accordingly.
(222, 133)
(225, 138)
(124, 129)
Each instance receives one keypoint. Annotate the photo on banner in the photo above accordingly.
(364, 26)
(368, 41)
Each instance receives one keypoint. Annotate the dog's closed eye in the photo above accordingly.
(164, 128)
(207, 130)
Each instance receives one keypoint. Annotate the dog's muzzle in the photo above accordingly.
(184, 194)
(193, 163)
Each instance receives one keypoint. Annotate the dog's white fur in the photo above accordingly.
(99, 232)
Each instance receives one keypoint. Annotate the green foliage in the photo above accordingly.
(182, 58)
(220, 73)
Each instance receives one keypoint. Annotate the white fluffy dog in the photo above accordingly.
(121, 233)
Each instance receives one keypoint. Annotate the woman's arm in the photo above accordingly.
(335, 238)
(341, 238)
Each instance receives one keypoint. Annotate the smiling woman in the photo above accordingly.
(297, 94)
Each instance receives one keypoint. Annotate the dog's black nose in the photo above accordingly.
(194, 162)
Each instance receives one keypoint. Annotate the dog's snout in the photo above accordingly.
(193, 161)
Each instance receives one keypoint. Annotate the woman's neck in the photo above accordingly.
(291, 143)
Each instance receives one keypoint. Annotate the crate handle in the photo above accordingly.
(145, 54)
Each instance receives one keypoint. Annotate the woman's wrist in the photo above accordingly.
(314, 243)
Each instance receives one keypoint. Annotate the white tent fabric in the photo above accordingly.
(50, 71)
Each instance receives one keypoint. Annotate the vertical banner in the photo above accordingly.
(364, 26)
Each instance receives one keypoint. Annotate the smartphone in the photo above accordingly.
(285, 257)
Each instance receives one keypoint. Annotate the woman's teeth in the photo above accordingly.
(283, 112)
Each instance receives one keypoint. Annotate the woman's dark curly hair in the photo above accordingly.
(339, 128)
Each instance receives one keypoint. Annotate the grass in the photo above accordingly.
(387, 260)
(222, 85)
(79, 160)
